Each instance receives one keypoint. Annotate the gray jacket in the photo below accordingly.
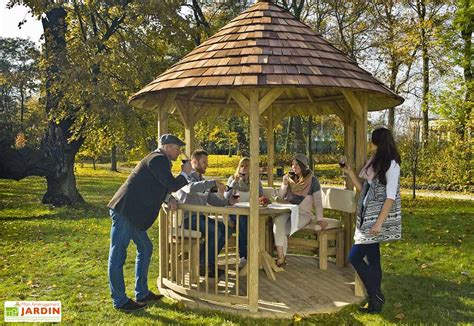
(197, 192)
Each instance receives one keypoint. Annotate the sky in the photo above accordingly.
(9, 19)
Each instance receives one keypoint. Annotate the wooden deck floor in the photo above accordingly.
(302, 288)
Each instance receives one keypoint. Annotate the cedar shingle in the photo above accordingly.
(266, 46)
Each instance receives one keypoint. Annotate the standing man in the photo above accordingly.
(134, 208)
(198, 192)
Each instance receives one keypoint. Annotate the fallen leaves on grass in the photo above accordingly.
(32, 284)
(296, 318)
(400, 316)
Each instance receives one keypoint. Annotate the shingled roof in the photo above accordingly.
(265, 47)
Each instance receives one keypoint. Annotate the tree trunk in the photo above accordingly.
(466, 33)
(421, 10)
(22, 107)
(392, 85)
(243, 144)
(426, 89)
(61, 188)
(113, 159)
(299, 137)
(310, 141)
(289, 127)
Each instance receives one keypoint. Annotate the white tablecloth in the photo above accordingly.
(294, 212)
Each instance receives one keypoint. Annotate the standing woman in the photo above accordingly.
(378, 213)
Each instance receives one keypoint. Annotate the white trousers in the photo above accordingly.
(282, 228)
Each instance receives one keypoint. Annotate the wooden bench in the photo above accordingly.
(328, 242)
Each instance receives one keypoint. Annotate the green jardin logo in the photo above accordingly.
(11, 311)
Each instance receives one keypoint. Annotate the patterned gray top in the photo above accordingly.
(367, 214)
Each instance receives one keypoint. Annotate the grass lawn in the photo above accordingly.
(52, 253)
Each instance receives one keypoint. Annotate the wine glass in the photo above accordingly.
(342, 164)
(275, 193)
(235, 194)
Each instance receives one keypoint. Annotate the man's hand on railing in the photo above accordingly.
(172, 205)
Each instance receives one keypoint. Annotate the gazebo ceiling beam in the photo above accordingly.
(280, 114)
(241, 100)
(168, 103)
(269, 98)
(339, 111)
(235, 95)
(184, 111)
(354, 103)
(310, 98)
(163, 108)
(199, 112)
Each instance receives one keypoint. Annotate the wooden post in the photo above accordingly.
(270, 147)
(254, 210)
(163, 110)
(186, 111)
(189, 139)
(349, 150)
(359, 105)
(163, 259)
(361, 135)
(162, 122)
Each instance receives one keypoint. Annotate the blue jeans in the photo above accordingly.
(370, 273)
(121, 233)
(243, 219)
(211, 250)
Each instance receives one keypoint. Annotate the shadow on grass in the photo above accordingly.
(438, 221)
(345, 316)
(74, 212)
(424, 299)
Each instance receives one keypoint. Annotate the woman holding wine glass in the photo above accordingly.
(299, 187)
(378, 212)
(238, 186)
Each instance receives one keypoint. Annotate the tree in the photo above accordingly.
(296, 8)
(350, 27)
(429, 15)
(19, 68)
(19, 84)
(464, 23)
(395, 41)
(81, 80)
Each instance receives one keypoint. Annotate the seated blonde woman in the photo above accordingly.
(239, 185)
(302, 189)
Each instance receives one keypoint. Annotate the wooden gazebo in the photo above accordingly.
(268, 65)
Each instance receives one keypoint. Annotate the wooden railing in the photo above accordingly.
(180, 256)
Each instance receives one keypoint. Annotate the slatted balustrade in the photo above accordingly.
(180, 253)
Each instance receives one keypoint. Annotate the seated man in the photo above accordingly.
(198, 192)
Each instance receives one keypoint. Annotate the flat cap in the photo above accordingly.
(171, 139)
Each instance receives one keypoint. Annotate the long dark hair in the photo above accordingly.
(386, 152)
(304, 169)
